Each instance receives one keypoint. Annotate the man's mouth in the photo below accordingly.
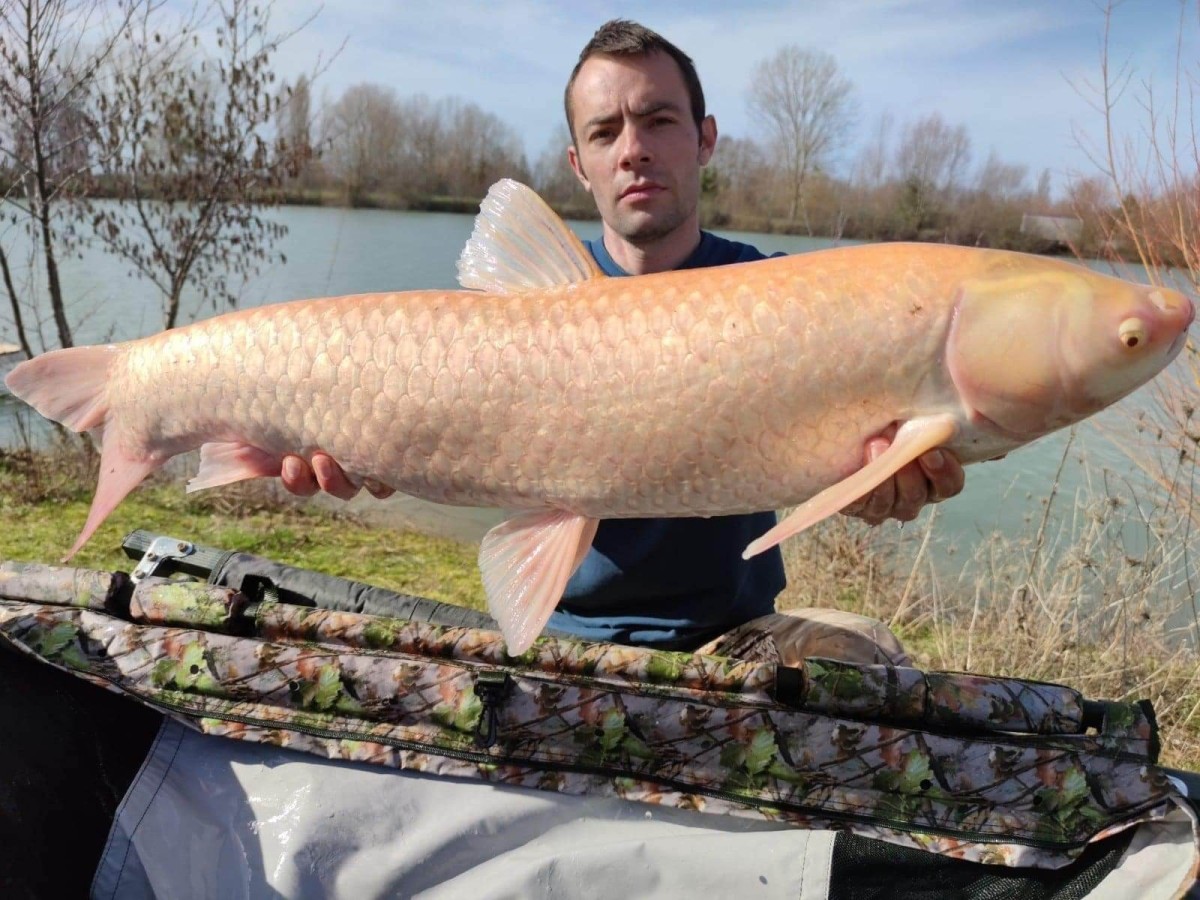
(641, 191)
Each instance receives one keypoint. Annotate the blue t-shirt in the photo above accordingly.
(672, 583)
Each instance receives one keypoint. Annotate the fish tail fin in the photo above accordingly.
(70, 386)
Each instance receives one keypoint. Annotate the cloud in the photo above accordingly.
(1004, 70)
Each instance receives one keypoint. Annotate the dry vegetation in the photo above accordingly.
(1072, 609)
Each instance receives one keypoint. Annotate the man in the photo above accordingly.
(640, 136)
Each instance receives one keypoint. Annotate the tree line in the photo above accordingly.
(916, 180)
(186, 123)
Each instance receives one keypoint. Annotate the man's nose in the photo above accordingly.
(634, 147)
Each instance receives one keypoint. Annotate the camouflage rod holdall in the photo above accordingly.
(995, 770)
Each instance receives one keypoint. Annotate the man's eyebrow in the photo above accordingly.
(660, 106)
(610, 118)
(607, 119)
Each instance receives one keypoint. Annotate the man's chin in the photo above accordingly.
(644, 227)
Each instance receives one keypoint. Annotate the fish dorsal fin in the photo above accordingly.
(520, 244)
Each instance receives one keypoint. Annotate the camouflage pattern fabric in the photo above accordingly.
(988, 769)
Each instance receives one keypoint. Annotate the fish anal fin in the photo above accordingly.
(913, 438)
(230, 461)
(520, 244)
(120, 473)
(526, 562)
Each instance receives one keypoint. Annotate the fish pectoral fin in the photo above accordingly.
(230, 461)
(914, 438)
(526, 562)
(520, 244)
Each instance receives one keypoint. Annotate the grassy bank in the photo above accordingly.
(44, 506)
(1013, 612)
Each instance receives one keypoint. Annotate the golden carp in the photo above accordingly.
(569, 397)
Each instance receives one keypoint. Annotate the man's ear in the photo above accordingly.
(577, 168)
(708, 139)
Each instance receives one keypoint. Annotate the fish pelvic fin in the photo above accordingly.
(520, 244)
(227, 462)
(526, 562)
(914, 437)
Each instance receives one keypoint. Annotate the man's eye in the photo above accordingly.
(605, 135)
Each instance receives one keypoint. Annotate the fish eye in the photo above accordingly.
(1132, 332)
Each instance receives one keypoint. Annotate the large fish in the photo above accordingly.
(571, 397)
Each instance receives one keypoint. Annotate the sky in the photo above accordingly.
(1019, 75)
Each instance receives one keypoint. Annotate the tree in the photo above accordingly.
(552, 177)
(1151, 173)
(1092, 201)
(1142, 204)
(51, 52)
(871, 165)
(804, 103)
(363, 131)
(871, 188)
(990, 211)
(744, 176)
(295, 125)
(478, 149)
(421, 145)
(930, 160)
(933, 153)
(187, 145)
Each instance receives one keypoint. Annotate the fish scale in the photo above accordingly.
(687, 393)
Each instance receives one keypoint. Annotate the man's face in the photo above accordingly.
(637, 149)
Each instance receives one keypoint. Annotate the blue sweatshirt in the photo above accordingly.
(672, 583)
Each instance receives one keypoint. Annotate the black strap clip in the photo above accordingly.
(491, 687)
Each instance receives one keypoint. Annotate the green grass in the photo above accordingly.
(42, 515)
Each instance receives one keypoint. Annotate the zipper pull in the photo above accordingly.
(491, 687)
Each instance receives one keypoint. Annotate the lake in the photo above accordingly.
(341, 251)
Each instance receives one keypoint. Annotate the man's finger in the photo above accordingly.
(377, 490)
(945, 474)
(331, 477)
(877, 505)
(912, 492)
(297, 477)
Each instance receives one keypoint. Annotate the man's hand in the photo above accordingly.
(324, 475)
(933, 477)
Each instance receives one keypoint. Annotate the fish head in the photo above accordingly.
(1036, 345)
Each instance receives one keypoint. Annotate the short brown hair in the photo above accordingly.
(621, 37)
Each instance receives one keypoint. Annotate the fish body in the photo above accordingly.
(575, 397)
(653, 396)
